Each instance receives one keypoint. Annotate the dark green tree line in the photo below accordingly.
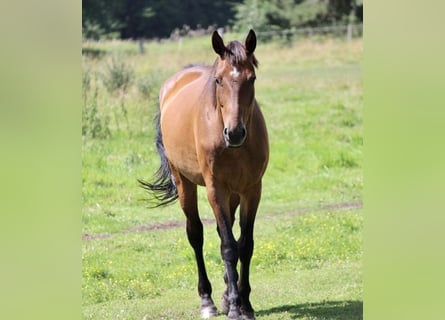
(132, 19)
(271, 15)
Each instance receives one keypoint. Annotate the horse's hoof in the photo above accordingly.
(208, 312)
(224, 305)
(234, 314)
(248, 316)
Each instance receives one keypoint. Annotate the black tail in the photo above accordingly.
(163, 188)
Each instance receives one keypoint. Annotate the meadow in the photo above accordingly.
(307, 263)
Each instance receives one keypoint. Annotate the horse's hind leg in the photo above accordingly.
(188, 199)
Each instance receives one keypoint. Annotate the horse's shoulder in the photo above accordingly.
(181, 79)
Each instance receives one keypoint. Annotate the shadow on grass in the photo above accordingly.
(93, 53)
(333, 310)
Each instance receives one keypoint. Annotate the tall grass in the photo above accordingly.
(311, 95)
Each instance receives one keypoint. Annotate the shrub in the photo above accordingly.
(118, 75)
(94, 125)
(117, 78)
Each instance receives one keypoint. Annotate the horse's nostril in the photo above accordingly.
(235, 137)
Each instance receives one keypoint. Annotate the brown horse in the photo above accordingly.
(212, 133)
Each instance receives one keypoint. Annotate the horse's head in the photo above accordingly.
(234, 90)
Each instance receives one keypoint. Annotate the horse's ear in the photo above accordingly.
(218, 44)
(250, 42)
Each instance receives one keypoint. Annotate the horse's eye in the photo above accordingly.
(218, 81)
(252, 79)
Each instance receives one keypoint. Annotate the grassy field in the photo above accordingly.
(307, 264)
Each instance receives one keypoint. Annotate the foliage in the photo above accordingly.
(100, 19)
(118, 75)
(94, 123)
(149, 18)
(158, 18)
(269, 16)
(117, 78)
(148, 85)
(344, 10)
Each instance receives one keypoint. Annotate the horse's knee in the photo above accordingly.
(229, 252)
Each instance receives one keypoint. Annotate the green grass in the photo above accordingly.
(305, 266)
(300, 262)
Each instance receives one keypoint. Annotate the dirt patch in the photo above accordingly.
(181, 224)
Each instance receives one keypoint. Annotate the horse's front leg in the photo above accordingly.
(219, 199)
(234, 203)
(249, 206)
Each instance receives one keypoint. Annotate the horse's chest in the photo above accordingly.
(238, 172)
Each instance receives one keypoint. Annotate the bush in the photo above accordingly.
(118, 75)
(117, 78)
(93, 124)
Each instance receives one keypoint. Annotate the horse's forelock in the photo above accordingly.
(237, 54)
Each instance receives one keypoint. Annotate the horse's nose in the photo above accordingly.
(235, 137)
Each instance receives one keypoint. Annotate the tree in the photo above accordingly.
(342, 10)
(272, 15)
(149, 18)
(132, 19)
(99, 19)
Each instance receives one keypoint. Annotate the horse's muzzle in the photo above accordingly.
(236, 137)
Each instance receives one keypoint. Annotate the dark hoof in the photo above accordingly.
(247, 312)
(234, 314)
(248, 315)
